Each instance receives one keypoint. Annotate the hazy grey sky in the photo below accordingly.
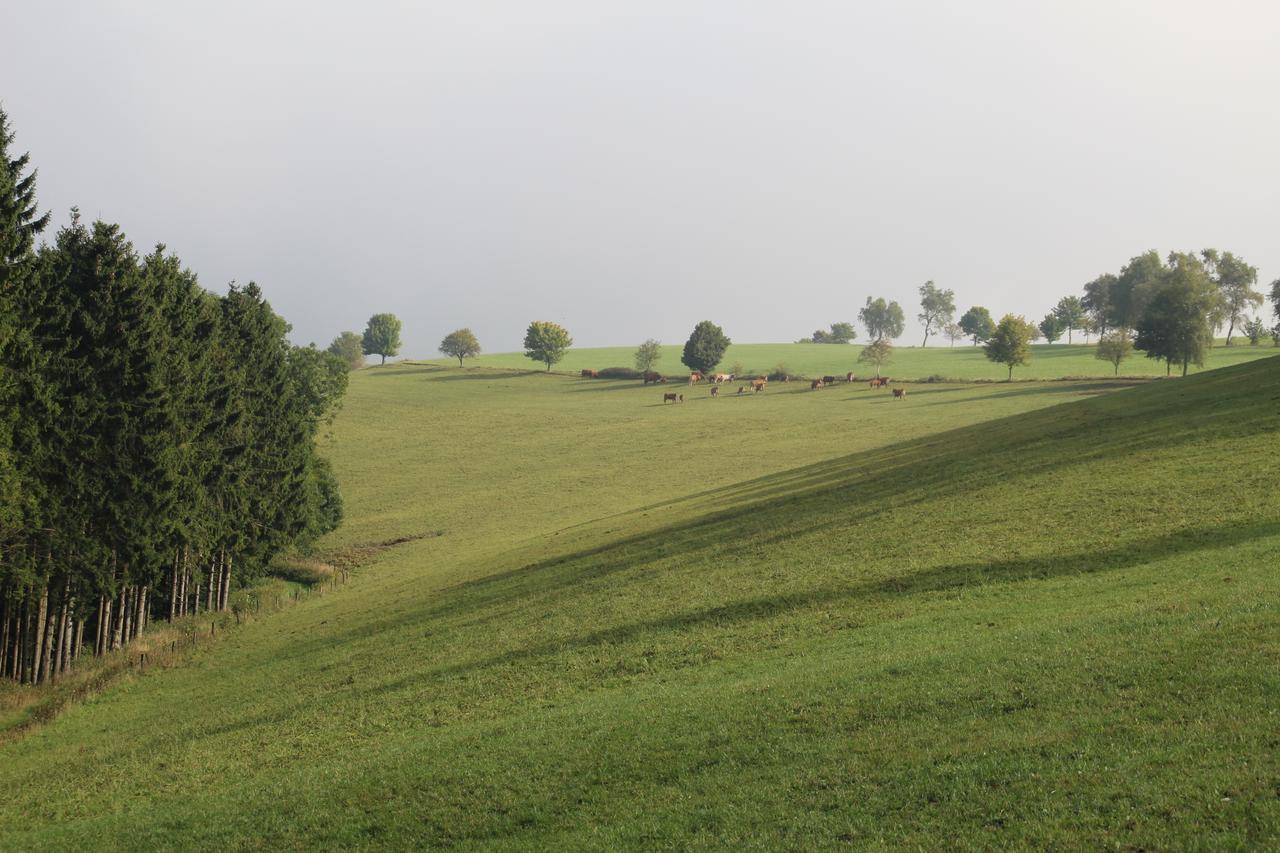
(630, 168)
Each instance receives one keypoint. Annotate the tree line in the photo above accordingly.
(1168, 308)
(157, 441)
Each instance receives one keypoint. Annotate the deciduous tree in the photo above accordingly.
(1010, 344)
(1114, 347)
(937, 308)
(883, 320)
(349, 347)
(705, 348)
(1051, 327)
(1070, 313)
(877, 353)
(460, 344)
(382, 336)
(1177, 323)
(977, 324)
(1235, 280)
(546, 342)
(648, 355)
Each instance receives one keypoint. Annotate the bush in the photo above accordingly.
(779, 372)
(619, 373)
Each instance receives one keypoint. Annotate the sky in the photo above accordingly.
(628, 169)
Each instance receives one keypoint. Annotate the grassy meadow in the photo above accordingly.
(1031, 614)
(963, 362)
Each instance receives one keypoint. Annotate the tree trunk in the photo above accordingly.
(117, 628)
(384, 358)
(128, 603)
(226, 581)
(140, 620)
(1230, 329)
(213, 576)
(60, 637)
(37, 652)
(173, 585)
(926, 337)
(1010, 373)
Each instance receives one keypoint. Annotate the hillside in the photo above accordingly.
(962, 363)
(1031, 614)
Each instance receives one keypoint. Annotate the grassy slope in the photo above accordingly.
(803, 617)
(962, 362)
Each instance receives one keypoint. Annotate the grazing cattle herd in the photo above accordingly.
(756, 384)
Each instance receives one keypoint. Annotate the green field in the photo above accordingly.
(963, 362)
(1042, 615)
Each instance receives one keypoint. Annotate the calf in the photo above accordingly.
(849, 377)
(815, 384)
(757, 385)
(695, 378)
(672, 398)
(899, 393)
(715, 390)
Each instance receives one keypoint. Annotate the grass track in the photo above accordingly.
(1041, 614)
(961, 363)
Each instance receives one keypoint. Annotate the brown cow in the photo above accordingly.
(651, 376)
(757, 385)
(715, 390)
(815, 384)
(590, 374)
(899, 393)
(877, 382)
(742, 388)
(672, 398)
(695, 378)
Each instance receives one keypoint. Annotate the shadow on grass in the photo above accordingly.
(941, 579)
(742, 520)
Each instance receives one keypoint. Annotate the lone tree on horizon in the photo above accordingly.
(1010, 344)
(937, 308)
(348, 347)
(705, 347)
(883, 320)
(382, 336)
(460, 344)
(546, 342)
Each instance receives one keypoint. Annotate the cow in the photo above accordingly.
(715, 390)
(695, 378)
(828, 380)
(899, 393)
(672, 398)
(757, 385)
(742, 389)
(719, 378)
(651, 376)
(878, 382)
(849, 377)
(590, 374)
(815, 384)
